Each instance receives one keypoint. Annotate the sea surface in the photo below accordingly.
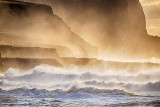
(51, 86)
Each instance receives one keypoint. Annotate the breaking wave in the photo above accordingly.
(53, 86)
(53, 78)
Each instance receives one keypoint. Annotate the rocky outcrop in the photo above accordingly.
(34, 25)
(25, 58)
(92, 64)
(28, 52)
(24, 64)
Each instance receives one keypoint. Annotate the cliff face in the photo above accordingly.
(136, 18)
(109, 19)
(34, 25)
(117, 27)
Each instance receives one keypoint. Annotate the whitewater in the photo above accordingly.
(75, 86)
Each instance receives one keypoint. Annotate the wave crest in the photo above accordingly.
(52, 78)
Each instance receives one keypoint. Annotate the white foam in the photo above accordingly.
(52, 78)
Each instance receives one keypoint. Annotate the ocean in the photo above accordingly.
(55, 86)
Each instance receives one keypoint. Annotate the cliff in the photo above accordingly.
(34, 25)
(116, 27)
(111, 19)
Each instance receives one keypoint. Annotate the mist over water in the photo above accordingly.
(77, 53)
(65, 78)
(116, 28)
(56, 85)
